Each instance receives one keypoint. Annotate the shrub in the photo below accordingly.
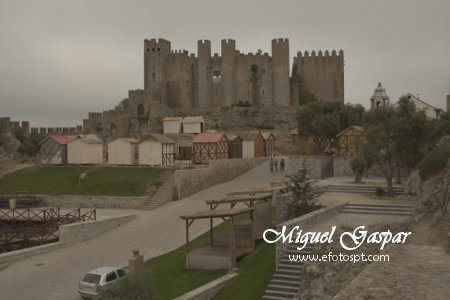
(433, 162)
(358, 165)
(135, 286)
(305, 191)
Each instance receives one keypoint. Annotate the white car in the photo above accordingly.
(99, 281)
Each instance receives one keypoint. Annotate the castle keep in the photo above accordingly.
(179, 80)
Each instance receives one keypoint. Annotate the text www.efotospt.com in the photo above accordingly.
(341, 257)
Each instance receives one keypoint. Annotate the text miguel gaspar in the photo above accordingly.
(354, 239)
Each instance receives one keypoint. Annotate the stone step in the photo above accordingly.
(275, 298)
(284, 277)
(289, 272)
(287, 261)
(376, 212)
(289, 266)
(295, 284)
(281, 294)
(406, 206)
(282, 288)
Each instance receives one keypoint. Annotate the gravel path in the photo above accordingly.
(55, 275)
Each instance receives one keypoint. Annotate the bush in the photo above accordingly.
(433, 162)
(134, 286)
(379, 192)
(358, 165)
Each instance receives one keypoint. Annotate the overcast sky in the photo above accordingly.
(61, 59)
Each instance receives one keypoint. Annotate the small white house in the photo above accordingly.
(53, 149)
(172, 125)
(252, 144)
(156, 150)
(122, 151)
(87, 149)
(193, 124)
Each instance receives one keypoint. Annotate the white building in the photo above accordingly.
(85, 150)
(172, 125)
(430, 111)
(156, 150)
(193, 125)
(122, 151)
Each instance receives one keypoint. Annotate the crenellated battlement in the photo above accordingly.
(320, 54)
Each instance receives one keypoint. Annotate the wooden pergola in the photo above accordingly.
(257, 191)
(211, 252)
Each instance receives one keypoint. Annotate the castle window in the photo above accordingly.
(153, 49)
(140, 110)
(153, 75)
(263, 92)
(148, 50)
(263, 70)
(159, 49)
(216, 74)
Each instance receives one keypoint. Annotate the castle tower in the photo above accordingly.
(228, 84)
(379, 97)
(155, 63)
(204, 80)
(321, 74)
(280, 73)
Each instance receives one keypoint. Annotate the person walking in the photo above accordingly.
(282, 163)
(271, 164)
(276, 165)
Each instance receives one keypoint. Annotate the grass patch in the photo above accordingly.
(255, 273)
(108, 181)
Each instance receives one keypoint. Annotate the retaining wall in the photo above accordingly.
(188, 182)
(208, 290)
(92, 201)
(305, 222)
(86, 230)
(321, 166)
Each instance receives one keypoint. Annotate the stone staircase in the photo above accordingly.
(285, 282)
(379, 209)
(358, 189)
(163, 195)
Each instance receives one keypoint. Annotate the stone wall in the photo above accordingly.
(188, 182)
(341, 166)
(305, 222)
(321, 166)
(92, 201)
(86, 230)
(208, 290)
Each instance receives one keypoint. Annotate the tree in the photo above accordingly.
(30, 146)
(358, 165)
(124, 104)
(324, 120)
(304, 189)
(394, 138)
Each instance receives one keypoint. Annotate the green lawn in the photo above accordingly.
(109, 181)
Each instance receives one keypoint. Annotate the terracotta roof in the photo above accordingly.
(159, 137)
(60, 139)
(196, 119)
(172, 119)
(358, 128)
(208, 137)
(249, 135)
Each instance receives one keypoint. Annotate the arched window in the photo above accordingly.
(140, 110)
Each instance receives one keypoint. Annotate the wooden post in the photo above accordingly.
(232, 247)
(187, 243)
(211, 235)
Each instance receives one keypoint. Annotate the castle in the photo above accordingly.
(179, 80)
(249, 90)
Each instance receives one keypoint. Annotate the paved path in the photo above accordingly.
(55, 275)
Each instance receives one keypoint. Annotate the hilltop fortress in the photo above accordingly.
(177, 79)
(233, 89)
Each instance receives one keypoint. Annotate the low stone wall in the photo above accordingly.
(86, 230)
(208, 290)
(188, 182)
(92, 201)
(321, 166)
(13, 256)
(305, 222)
(341, 166)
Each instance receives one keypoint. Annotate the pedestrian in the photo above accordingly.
(276, 165)
(271, 163)
(282, 165)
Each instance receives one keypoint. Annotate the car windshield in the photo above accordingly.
(91, 278)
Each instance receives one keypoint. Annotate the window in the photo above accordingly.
(111, 276)
(153, 49)
(140, 110)
(263, 70)
(121, 272)
(216, 74)
(148, 50)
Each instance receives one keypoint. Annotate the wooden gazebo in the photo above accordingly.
(209, 146)
(219, 256)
